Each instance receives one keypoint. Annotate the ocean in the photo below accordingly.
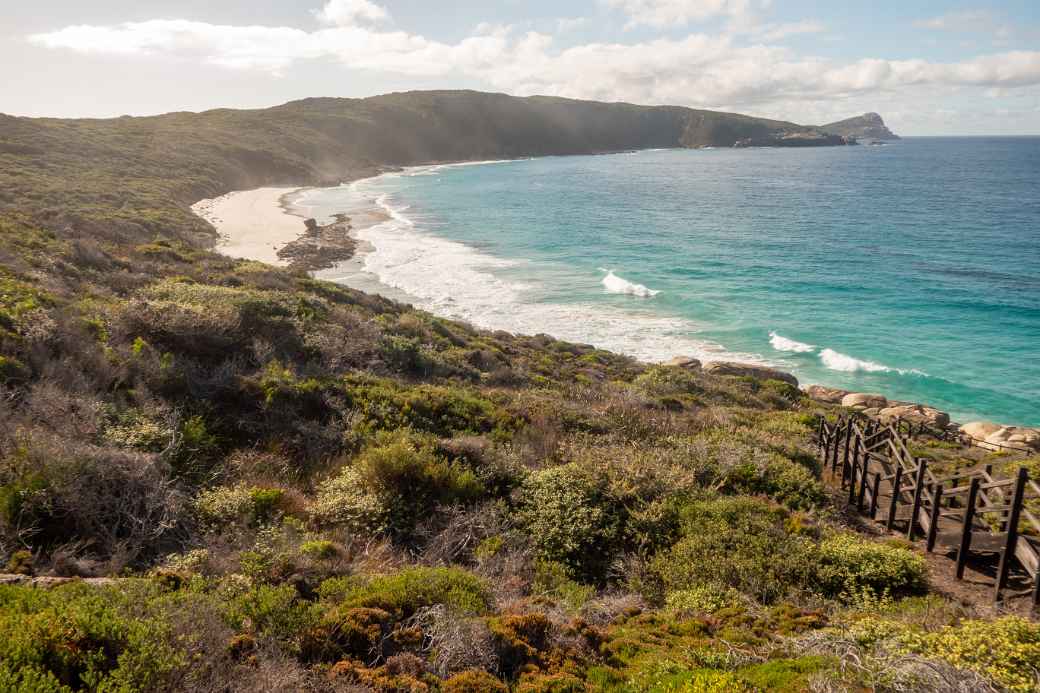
(910, 269)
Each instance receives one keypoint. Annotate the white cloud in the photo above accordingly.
(676, 13)
(350, 12)
(778, 32)
(570, 23)
(699, 70)
(964, 20)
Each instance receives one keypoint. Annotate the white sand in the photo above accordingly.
(252, 224)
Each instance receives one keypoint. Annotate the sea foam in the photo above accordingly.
(618, 285)
(781, 343)
(464, 283)
(837, 361)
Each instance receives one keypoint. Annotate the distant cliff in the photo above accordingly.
(869, 126)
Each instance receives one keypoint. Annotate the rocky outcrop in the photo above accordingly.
(320, 247)
(827, 395)
(744, 369)
(915, 413)
(993, 436)
(686, 362)
(1013, 437)
(869, 126)
(800, 138)
(862, 400)
(980, 430)
(44, 583)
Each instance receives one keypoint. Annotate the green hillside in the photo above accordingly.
(266, 482)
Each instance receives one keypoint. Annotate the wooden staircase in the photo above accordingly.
(971, 512)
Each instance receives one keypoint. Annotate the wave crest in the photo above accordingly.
(619, 285)
(781, 343)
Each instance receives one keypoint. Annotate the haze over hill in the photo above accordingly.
(167, 162)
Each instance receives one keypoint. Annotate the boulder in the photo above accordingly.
(828, 395)
(862, 400)
(1015, 437)
(916, 413)
(980, 430)
(686, 362)
(744, 369)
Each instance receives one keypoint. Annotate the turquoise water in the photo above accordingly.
(911, 269)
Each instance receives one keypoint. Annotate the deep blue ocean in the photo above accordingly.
(910, 269)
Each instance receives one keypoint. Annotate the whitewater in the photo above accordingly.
(910, 269)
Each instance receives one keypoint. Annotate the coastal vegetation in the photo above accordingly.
(260, 481)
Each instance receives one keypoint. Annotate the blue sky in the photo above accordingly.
(937, 67)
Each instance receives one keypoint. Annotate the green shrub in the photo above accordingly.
(474, 681)
(779, 478)
(701, 599)
(272, 611)
(1006, 651)
(85, 638)
(737, 542)
(571, 519)
(243, 503)
(393, 484)
(12, 370)
(344, 500)
(440, 410)
(137, 429)
(551, 580)
(849, 564)
(407, 591)
(20, 563)
(319, 549)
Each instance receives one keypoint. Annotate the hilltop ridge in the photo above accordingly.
(866, 126)
(159, 165)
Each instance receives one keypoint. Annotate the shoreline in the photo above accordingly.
(238, 215)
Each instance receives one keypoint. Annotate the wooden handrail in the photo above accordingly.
(872, 454)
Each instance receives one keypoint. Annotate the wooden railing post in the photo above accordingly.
(966, 527)
(916, 506)
(863, 476)
(874, 490)
(933, 520)
(852, 482)
(1011, 540)
(893, 504)
(848, 442)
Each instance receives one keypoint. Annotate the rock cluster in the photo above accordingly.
(996, 437)
(687, 362)
(985, 434)
(744, 369)
(916, 413)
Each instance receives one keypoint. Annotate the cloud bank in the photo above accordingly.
(739, 68)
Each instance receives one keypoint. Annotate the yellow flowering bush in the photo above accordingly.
(1006, 650)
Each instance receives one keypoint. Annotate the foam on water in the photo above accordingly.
(618, 285)
(457, 281)
(781, 343)
(785, 253)
(837, 361)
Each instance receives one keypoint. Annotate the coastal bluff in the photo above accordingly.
(869, 126)
(164, 164)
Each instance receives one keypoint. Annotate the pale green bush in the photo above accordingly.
(849, 564)
(571, 519)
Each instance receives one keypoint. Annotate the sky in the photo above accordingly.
(930, 67)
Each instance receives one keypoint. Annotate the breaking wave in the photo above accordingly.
(837, 361)
(618, 285)
(781, 343)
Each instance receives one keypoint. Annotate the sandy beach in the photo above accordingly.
(253, 224)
